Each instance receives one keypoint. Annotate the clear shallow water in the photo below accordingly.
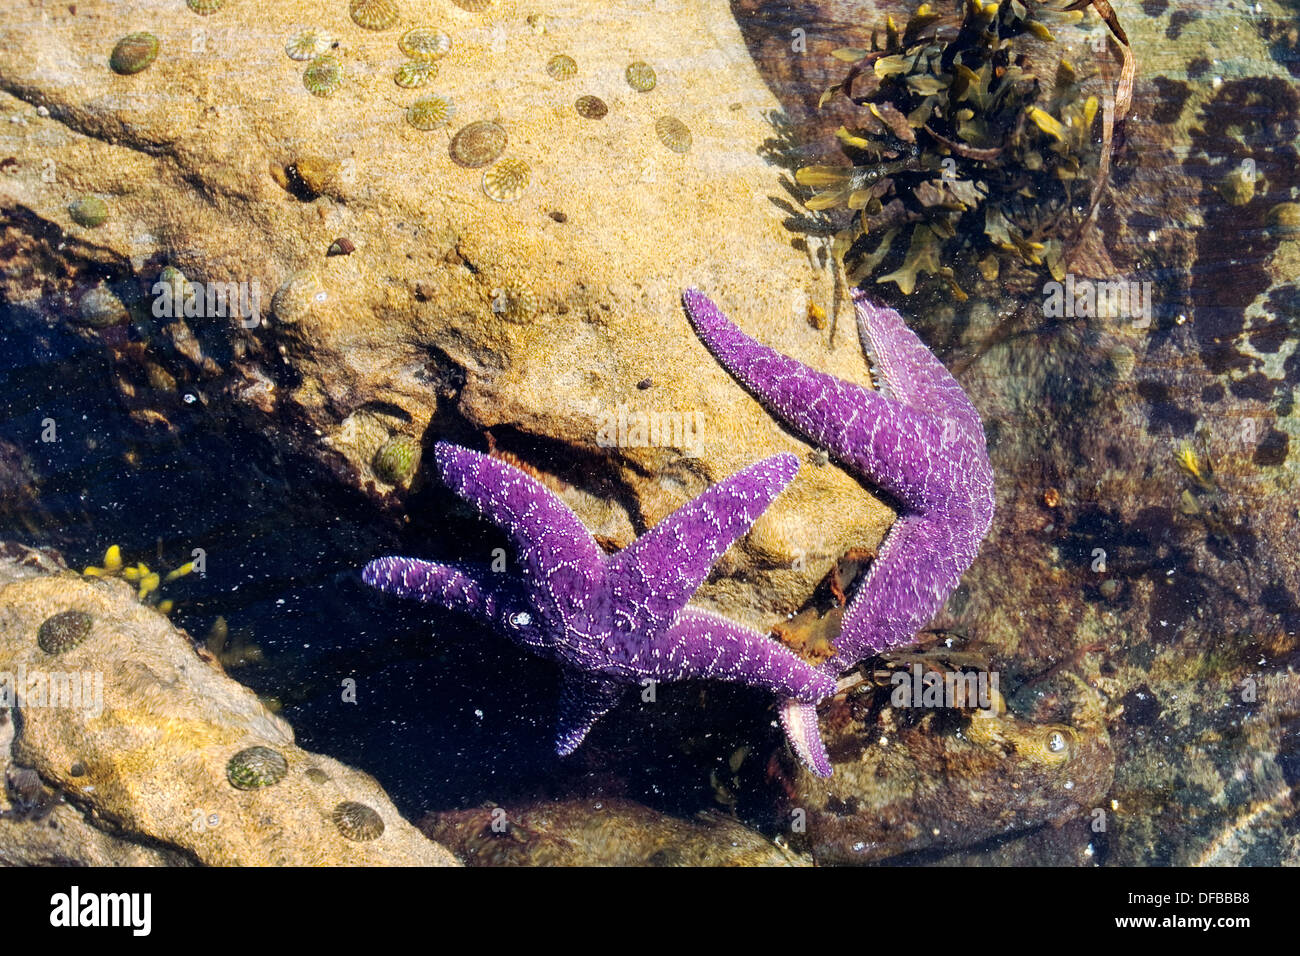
(450, 716)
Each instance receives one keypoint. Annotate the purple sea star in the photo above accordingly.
(918, 439)
(609, 620)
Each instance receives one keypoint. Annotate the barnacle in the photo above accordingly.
(965, 157)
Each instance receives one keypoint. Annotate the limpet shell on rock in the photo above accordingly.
(591, 107)
(133, 53)
(308, 44)
(478, 144)
(640, 76)
(323, 75)
(356, 821)
(89, 211)
(373, 14)
(295, 299)
(430, 112)
(507, 180)
(415, 73)
(424, 43)
(63, 631)
(100, 308)
(673, 133)
(256, 767)
(562, 67)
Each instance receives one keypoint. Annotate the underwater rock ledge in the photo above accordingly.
(123, 745)
(402, 292)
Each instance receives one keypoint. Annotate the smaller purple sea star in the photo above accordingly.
(918, 438)
(609, 620)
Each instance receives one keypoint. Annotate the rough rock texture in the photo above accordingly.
(606, 832)
(908, 780)
(137, 772)
(425, 328)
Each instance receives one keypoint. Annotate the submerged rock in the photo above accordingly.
(120, 747)
(605, 832)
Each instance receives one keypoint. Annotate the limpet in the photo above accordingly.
(89, 211)
(256, 767)
(133, 53)
(507, 180)
(308, 44)
(431, 112)
(673, 133)
(591, 107)
(373, 14)
(63, 631)
(424, 43)
(323, 75)
(356, 821)
(205, 7)
(1284, 220)
(640, 76)
(295, 300)
(478, 144)
(562, 67)
(415, 73)
(397, 459)
(473, 6)
(100, 308)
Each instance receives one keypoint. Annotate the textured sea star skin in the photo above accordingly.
(918, 438)
(609, 620)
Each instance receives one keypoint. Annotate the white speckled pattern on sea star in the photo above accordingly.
(611, 620)
(918, 439)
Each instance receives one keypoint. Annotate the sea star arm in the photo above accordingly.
(583, 701)
(455, 587)
(920, 562)
(560, 559)
(909, 372)
(656, 575)
(701, 644)
(799, 721)
(885, 440)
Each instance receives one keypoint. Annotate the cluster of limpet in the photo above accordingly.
(133, 53)
(478, 144)
(323, 75)
(89, 211)
(640, 76)
(424, 43)
(507, 180)
(673, 133)
(373, 14)
(308, 44)
(356, 821)
(430, 112)
(256, 767)
(63, 631)
(562, 67)
(415, 73)
(205, 7)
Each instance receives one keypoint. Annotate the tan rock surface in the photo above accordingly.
(402, 334)
(144, 759)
